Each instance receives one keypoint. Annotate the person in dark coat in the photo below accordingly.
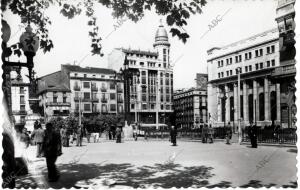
(228, 133)
(52, 149)
(24, 137)
(211, 134)
(173, 134)
(253, 135)
(38, 135)
(118, 134)
(204, 133)
(79, 135)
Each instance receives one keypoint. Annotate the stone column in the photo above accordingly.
(267, 99)
(235, 102)
(219, 108)
(227, 105)
(255, 114)
(245, 102)
(278, 107)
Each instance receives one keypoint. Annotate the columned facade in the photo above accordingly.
(256, 57)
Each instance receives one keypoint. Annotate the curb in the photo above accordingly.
(271, 144)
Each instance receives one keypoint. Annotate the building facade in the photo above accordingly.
(253, 60)
(285, 74)
(54, 96)
(20, 101)
(94, 90)
(91, 90)
(151, 84)
(190, 107)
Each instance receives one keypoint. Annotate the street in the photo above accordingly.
(158, 164)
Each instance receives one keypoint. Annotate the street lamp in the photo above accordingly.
(29, 43)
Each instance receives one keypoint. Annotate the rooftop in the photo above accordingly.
(52, 82)
(249, 42)
(150, 53)
(76, 68)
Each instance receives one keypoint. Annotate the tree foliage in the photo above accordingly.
(177, 12)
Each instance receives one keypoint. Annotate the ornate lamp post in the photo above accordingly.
(29, 43)
(127, 74)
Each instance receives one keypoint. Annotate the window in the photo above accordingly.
(22, 107)
(113, 107)
(142, 63)
(250, 67)
(144, 106)
(132, 106)
(112, 85)
(227, 73)
(219, 76)
(222, 74)
(86, 95)
(268, 50)
(144, 97)
(238, 58)
(54, 99)
(64, 99)
(87, 107)
(75, 74)
(268, 63)
(84, 75)
(246, 68)
(272, 49)
(261, 52)
(76, 106)
(22, 100)
(112, 96)
(273, 62)
(261, 65)
(86, 84)
(230, 72)
(256, 66)
(22, 91)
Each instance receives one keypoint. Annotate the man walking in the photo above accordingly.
(228, 133)
(253, 135)
(118, 134)
(79, 135)
(52, 149)
(173, 134)
(38, 135)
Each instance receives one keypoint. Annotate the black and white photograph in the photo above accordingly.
(147, 94)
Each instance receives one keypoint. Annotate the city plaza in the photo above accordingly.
(248, 81)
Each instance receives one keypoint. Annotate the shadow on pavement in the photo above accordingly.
(293, 150)
(165, 175)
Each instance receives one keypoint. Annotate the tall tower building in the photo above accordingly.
(162, 45)
(148, 99)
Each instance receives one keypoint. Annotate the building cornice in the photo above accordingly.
(244, 49)
(95, 79)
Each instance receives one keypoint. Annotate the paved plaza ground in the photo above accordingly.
(158, 164)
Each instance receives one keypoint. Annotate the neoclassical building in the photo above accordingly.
(255, 57)
(149, 98)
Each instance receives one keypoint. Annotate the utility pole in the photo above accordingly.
(238, 103)
(157, 102)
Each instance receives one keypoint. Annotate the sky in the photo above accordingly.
(239, 20)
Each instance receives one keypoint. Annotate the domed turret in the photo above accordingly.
(161, 36)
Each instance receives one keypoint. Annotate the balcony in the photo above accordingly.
(94, 88)
(21, 122)
(86, 99)
(285, 70)
(120, 90)
(95, 99)
(120, 101)
(22, 102)
(76, 99)
(22, 91)
(104, 100)
(58, 103)
(76, 88)
(20, 112)
(103, 89)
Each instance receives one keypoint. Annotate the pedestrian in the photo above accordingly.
(118, 134)
(211, 134)
(204, 133)
(38, 135)
(228, 133)
(24, 137)
(253, 135)
(88, 135)
(52, 149)
(135, 133)
(63, 135)
(79, 135)
(173, 134)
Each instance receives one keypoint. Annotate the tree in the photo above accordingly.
(177, 13)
